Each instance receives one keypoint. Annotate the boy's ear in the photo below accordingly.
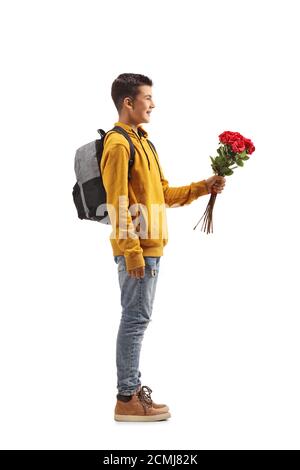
(127, 101)
(130, 100)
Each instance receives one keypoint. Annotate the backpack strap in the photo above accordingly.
(122, 131)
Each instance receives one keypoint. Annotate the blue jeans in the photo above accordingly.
(137, 297)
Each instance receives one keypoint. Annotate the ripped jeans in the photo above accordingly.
(137, 297)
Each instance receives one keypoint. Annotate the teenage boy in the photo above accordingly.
(137, 242)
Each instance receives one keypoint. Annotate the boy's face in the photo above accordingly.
(138, 111)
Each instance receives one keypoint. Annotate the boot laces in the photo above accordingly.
(144, 395)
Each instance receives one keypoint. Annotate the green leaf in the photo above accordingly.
(222, 151)
(246, 158)
(240, 162)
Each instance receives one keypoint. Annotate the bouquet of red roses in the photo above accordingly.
(234, 150)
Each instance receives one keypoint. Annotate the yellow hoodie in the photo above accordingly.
(138, 217)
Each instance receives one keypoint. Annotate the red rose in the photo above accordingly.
(238, 146)
(225, 137)
(229, 137)
(249, 146)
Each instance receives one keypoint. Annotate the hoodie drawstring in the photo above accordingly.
(144, 151)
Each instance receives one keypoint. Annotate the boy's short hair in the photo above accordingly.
(127, 84)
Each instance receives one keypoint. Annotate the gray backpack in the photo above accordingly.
(89, 194)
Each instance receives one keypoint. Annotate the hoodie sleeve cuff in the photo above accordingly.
(200, 188)
(133, 261)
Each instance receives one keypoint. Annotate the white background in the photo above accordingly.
(222, 349)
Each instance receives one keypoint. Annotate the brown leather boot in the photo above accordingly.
(139, 408)
(155, 405)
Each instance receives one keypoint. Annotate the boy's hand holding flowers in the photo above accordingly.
(215, 184)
